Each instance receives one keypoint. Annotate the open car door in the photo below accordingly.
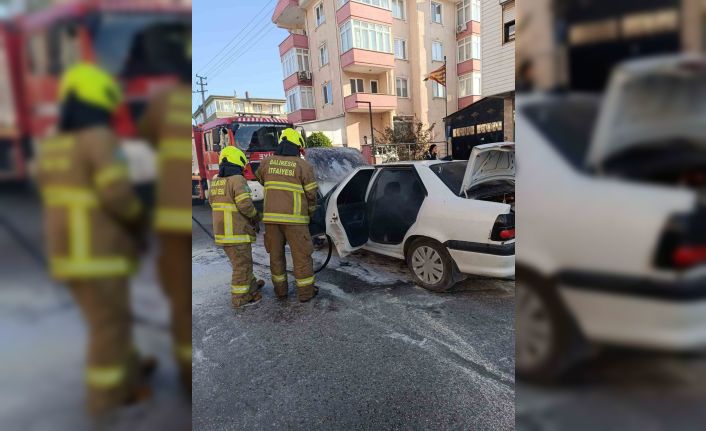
(489, 162)
(346, 209)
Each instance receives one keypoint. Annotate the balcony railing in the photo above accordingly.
(364, 61)
(358, 102)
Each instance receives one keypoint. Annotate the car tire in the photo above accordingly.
(425, 258)
(548, 342)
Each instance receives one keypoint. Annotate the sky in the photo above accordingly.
(250, 62)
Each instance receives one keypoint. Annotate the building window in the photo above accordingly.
(323, 55)
(385, 4)
(300, 98)
(509, 31)
(438, 90)
(469, 48)
(467, 10)
(210, 109)
(224, 105)
(400, 49)
(469, 85)
(327, 90)
(239, 107)
(437, 51)
(366, 35)
(373, 86)
(357, 86)
(398, 9)
(276, 109)
(402, 87)
(257, 108)
(436, 12)
(295, 60)
(319, 12)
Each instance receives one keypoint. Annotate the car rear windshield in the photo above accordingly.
(451, 174)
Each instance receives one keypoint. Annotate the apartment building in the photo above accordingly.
(230, 106)
(346, 57)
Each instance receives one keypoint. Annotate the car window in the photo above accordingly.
(567, 125)
(451, 174)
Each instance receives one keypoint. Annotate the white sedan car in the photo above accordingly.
(446, 219)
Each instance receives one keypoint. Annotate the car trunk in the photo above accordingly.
(490, 173)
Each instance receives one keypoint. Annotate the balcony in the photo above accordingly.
(471, 27)
(298, 78)
(380, 102)
(363, 11)
(293, 41)
(301, 116)
(289, 15)
(466, 101)
(362, 61)
(468, 66)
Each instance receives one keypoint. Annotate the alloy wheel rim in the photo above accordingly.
(428, 265)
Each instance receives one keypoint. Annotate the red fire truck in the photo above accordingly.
(256, 136)
(142, 42)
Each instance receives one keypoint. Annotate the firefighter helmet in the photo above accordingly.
(90, 85)
(292, 136)
(233, 155)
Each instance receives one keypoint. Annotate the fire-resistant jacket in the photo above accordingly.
(233, 210)
(90, 208)
(167, 124)
(290, 189)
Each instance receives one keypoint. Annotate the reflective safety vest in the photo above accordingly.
(233, 210)
(89, 205)
(290, 189)
(167, 124)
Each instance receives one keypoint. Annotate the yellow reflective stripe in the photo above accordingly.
(241, 197)
(173, 219)
(69, 196)
(311, 186)
(297, 204)
(222, 206)
(62, 267)
(285, 218)
(107, 176)
(60, 143)
(305, 281)
(228, 223)
(234, 239)
(79, 232)
(239, 289)
(281, 185)
(183, 352)
(279, 278)
(105, 377)
(174, 148)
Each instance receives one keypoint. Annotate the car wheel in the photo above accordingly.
(431, 265)
(548, 342)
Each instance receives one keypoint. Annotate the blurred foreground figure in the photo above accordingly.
(167, 125)
(93, 220)
(290, 199)
(235, 222)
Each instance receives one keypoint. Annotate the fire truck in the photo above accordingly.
(141, 42)
(256, 136)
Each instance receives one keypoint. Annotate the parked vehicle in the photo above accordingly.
(446, 219)
(614, 245)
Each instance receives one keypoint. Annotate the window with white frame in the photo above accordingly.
(295, 60)
(257, 108)
(437, 89)
(357, 86)
(323, 55)
(437, 51)
(469, 85)
(385, 4)
(239, 107)
(300, 98)
(276, 109)
(327, 90)
(469, 48)
(401, 49)
(210, 109)
(224, 105)
(436, 12)
(467, 10)
(398, 9)
(402, 87)
(319, 13)
(366, 35)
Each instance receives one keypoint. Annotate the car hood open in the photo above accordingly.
(488, 162)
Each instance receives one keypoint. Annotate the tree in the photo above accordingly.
(318, 140)
(416, 133)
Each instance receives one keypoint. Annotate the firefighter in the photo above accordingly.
(290, 199)
(92, 221)
(167, 125)
(235, 224)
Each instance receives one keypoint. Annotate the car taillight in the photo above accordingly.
(504, 228)
(683, 242)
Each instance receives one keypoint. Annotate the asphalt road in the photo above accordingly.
(372, 351)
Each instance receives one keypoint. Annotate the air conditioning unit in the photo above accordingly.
(461, 28)
(305, 75)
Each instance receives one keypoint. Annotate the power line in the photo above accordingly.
(244, 43)
(227, 62)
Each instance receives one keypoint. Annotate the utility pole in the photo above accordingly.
(202, 83)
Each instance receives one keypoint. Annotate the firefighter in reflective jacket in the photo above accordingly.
(235, 222)
(290, 199)
(92, 220)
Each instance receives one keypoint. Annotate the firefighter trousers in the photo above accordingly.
(175, 278)
(243, 285)
(299, 240)
(112, 370)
